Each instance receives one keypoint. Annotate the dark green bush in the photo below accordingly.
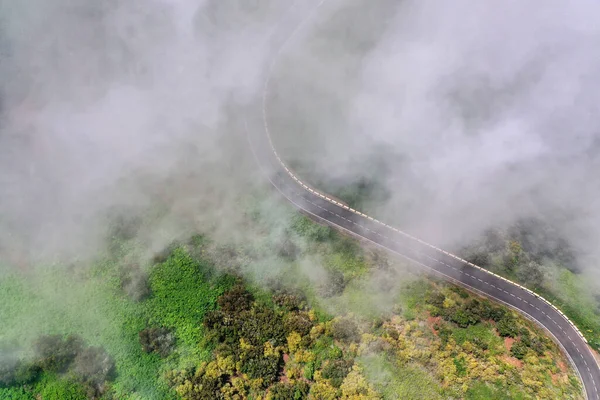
(519, 350)
(286, 391)
(507, 327)
(345, 330)
(296, 322)
(334, 285)
(235, 300)
(256, 365)
(157, 340)
(336, 371)
(55, 354)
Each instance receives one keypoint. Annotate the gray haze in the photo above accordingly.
(486, 113)
(122, 105)
(479, 113)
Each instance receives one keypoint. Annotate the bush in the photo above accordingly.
(285, 391)
(482, 344)
(304, 226)
(295, 322)
(345, 330)
(336, 371)
(507, 327)
(55, 354)
(290, 301)
(260, 325)
(157, 340)
(256, 365)
(531, 274)
(519, 350)
(287, 249)
(14, 372)
(136, 285)
(436, 299)
(235, 300)
(461, 317)
(334, 285)
(93, 366)
(489, 311)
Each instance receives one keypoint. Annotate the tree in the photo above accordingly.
(507, 327)
(519, 350)
(55, 354)
(235, 300)
(290, 300)
(345, 330)
(297, 322)
(531, 274)
(336, 371)
(259, 366)
(286, 391)
(489, 311)
(355, 386)
(136, 286)
(334, 285)
(287, 249)
(14, 372)
(157, 340)
(93, 366)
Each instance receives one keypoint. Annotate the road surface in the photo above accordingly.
(427, 256)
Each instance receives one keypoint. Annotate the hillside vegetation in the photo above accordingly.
(326, 319)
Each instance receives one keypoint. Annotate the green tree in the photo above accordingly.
(531, 274)
(55, 354)
(345, 330)
(507, 327)
(157, 340)
(519, 350)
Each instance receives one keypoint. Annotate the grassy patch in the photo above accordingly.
(572, 295)
(182, 293)
(480, 333)
(407, 382)
(485, 391)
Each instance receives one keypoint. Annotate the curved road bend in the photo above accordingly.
(416, 251)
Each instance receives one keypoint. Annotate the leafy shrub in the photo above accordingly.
(136, 285)
(345, 330)
(334, 284)
(311, 230)
(235, 300)
(200, 385)
(297, 322)
(479, 342)
(260, 325)
(286, 391)
(336, 371)
(289, 301)
(14, 372)
(287, 249)
(460, 316)
(531, 274)
(436, 299)
(257, 365)
(55, 354)
(157, 340)
(507, 327)
(93, 367)
(489, 311)
(519, 350)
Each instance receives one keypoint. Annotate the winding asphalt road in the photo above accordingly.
(418, 252)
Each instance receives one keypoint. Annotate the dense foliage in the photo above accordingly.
(184, 329)
(87, 368)
(535, 254)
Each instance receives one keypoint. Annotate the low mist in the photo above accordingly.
(466, 116)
